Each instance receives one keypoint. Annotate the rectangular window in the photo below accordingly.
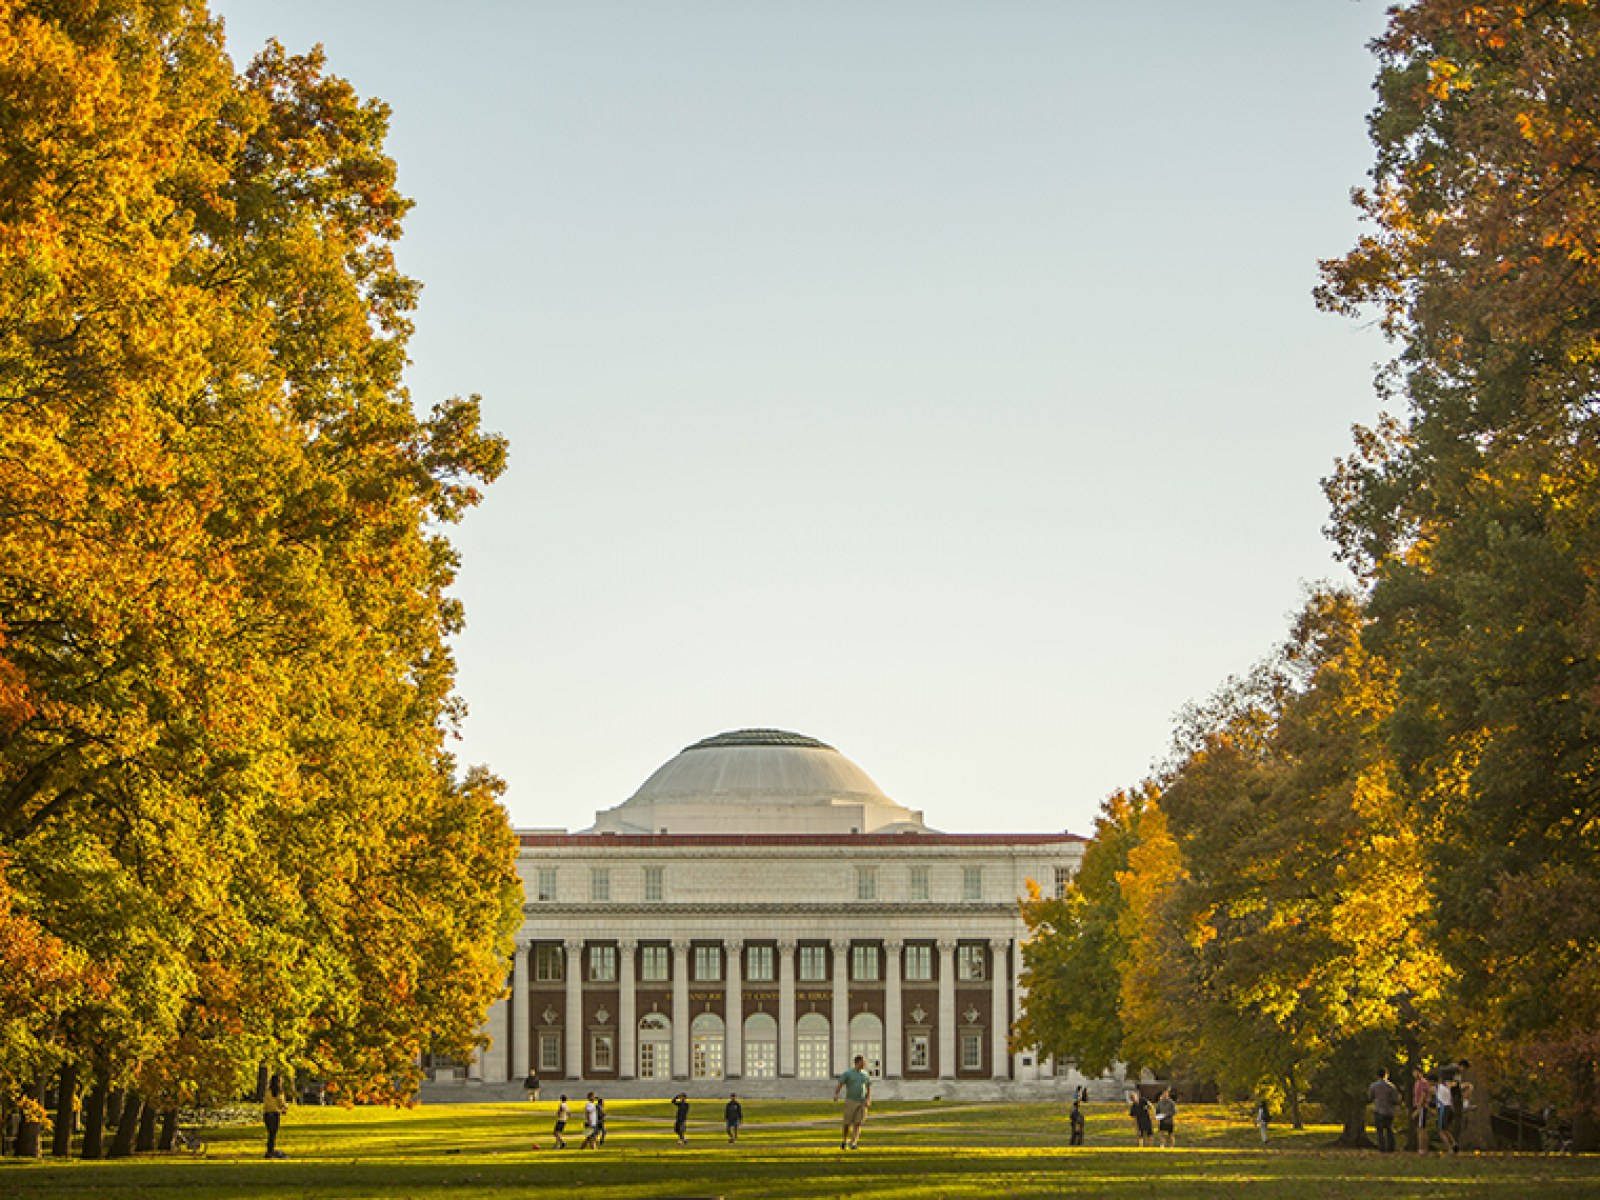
(603, 964)
(864, 963)
(758, 964)
(550, 1052)
(546, 884)
(866, 883)
(919, 962)
(707, 963)
(1063, 877)
(653, 962)
(919, 883)
(548, 959)
(813, 963)
(969, 963)
(917, 1052)
(972, 883)
(971, 1051)
(652, 883)
(600, 1051)
(599, 883)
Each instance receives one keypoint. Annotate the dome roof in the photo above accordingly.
(757, 780)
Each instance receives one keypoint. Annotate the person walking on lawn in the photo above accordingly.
(856, 1085)
(1384, 1098)
(733, 1116)
(680, 1122)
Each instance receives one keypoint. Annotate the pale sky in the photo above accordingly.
(939, 380)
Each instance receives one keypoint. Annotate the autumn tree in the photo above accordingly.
(1473, 513)
(225, 680)
(1075, 950)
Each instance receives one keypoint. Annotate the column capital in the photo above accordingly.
(733, 945)
(523, 944)
(786, 946)
(998, 944)
(573, 945)
(840, 945)
(893, 945)
(946, 944)
(681, 945)
(627, 944)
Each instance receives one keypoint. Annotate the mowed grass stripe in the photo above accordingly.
(790, 1149)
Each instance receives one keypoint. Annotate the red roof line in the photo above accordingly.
(600, 840)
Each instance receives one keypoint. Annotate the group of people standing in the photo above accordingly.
(1439, 1103)
(1165, 1119)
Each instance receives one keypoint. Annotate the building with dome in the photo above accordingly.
(759, 911)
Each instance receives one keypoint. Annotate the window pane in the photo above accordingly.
(813, 963)
(917, 1058)
(919, 883)
(708, 963)
(759, 964)
(865, 964)
(866, 883)
(969, 963)
(919, 963)
(550, 1052)
(546, 884)
(653, 963)
(652, 883)
(602, 963)
(548, 959)
(599, 883)
(971, 1051)
(972, 883)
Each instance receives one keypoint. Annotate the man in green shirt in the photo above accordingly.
(856, 1085)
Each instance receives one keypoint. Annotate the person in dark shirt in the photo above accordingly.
(1385, 1096)
(680, 1122)
(1076, 1119)
(733, 1116)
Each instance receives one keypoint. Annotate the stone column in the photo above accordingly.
(1018, 993)
(627, 1015)
(733, 1007)
(495, 1055)
(841, 1006)
(947, 1008)
(786, 1051)
(894, 1035)
(680, 1008)
(522, 1059)
(574, 1018)
(999, 1010)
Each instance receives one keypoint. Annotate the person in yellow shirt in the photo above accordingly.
(272, 1109)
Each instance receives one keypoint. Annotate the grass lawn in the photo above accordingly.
(790, 1149)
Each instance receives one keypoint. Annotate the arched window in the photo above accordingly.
(760, 1046)
(811, 1049)
(705, 1046)
(866, 1039)
(655, 1046)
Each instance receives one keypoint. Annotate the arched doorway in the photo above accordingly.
(655, 1046)
(866, 1040)
(705, 1046)
(811, 1047)
(760, 1046)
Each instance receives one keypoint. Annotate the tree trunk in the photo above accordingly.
(1291, 1096)
(128, 1127)
(114, 1109)
(262, 1075)
(1353, 1116)
(94, 1116)
(1585, 1130)
(29, 1128)
(147, 1130)
(66, 1111)
(169, 1129)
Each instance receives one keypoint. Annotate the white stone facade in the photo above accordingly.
(770, 957)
